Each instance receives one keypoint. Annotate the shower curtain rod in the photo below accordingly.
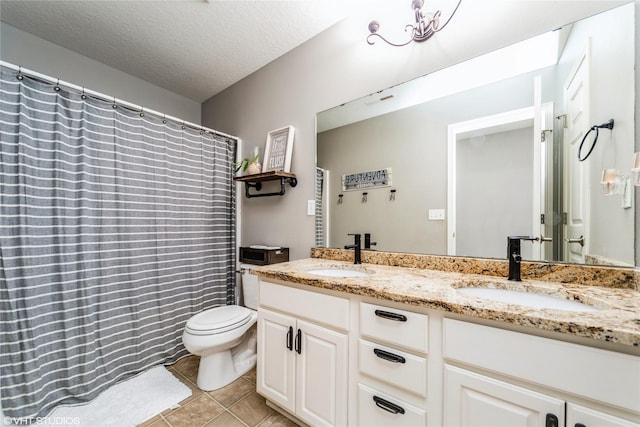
(113, 99)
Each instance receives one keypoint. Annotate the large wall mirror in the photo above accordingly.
(489, 148)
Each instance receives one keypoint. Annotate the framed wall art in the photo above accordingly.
(278, 150)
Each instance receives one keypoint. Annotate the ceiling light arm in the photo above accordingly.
(422, 30)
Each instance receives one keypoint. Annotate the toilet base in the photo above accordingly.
(218, 369)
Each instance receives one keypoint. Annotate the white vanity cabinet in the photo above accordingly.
(477, 400)
(506, 378)
(303, 353)
(392, 367)
(581, 416)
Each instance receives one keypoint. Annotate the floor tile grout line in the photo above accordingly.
(237, 418)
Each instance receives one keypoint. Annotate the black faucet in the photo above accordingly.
(367, 241)
(356, 247)
(514, 256)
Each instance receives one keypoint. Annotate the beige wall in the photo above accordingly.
(338, 66)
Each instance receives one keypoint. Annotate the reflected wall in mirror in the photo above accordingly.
(494, 146)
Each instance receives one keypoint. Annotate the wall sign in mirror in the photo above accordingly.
(368, 179)
(278, 150)
(468, 145)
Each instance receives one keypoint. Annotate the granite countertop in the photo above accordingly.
(616, 321)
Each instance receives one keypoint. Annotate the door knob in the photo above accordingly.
(578, 240)
(545, 239)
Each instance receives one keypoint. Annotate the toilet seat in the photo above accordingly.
(218, 320)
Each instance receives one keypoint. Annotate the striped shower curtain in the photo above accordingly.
(115, 228)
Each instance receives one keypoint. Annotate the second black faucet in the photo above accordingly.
(356, 247)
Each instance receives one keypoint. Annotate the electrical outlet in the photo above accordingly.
(436, 214)
(311, 207)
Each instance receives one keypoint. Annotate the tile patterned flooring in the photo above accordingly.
(236, 405)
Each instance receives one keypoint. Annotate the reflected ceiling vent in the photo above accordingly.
(375, 101)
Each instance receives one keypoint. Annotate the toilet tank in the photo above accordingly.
(249, 287)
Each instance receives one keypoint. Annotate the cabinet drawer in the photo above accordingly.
(380, 409)
(320, 308)
(401, 369)
(394, 326)
(602, 375)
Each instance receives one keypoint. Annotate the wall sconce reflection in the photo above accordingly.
(612, 182)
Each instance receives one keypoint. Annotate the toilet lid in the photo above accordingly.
(219, 319)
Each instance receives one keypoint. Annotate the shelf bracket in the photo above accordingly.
(256, 180)
(258, 186)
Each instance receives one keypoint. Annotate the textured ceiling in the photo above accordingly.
(192, 47)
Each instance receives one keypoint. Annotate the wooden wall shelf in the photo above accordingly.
(256, 180)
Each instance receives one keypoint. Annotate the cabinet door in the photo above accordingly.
(321, 369)
(579, 416)
(276, 358)
(475, 400)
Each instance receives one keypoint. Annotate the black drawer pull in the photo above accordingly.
(388, 356)
(391, 316)
(388, 406)
(299, 342)
(551, 421)
(580, 425)
(290, 338)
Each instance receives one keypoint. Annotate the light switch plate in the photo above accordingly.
(436, 214)
(311, 207)
(626, 195)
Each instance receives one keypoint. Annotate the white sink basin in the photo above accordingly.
(338, 272)
(527, 299)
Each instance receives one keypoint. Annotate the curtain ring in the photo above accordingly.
(57, 86)
(83, 96)
(164, 119)
(19, 76)
(183, 126)
(141, 111)
(114, 105)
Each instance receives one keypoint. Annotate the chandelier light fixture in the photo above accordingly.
(425, 26)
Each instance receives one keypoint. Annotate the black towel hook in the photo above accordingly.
(607, 125)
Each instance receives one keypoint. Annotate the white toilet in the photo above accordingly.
(225, 337)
